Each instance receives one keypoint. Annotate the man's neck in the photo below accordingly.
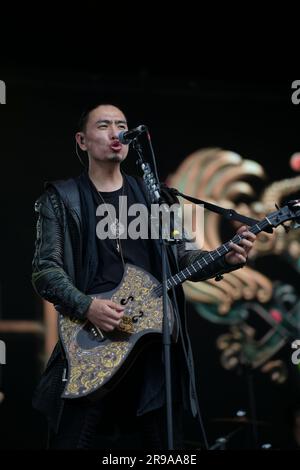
(106, 178)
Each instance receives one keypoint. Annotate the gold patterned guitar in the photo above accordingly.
(98, 360)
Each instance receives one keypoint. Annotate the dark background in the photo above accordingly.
(184, 113)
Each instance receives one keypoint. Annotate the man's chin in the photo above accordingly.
(116, 158)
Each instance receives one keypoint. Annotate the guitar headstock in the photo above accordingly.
(291, 211)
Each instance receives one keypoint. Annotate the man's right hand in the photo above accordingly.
(105, 314)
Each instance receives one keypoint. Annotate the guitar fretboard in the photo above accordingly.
(212, 256)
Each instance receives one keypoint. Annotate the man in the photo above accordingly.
(72, 263)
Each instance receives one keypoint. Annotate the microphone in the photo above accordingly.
(125, 137)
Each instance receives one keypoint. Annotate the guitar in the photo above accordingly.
(97, 360)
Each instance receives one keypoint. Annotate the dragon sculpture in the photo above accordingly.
(225, 178)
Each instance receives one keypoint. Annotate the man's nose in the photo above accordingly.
(115, 132)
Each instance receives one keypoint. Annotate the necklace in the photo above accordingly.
(116, 226)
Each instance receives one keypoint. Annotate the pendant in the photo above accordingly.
(117, 228)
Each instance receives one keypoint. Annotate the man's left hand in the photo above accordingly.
(239, 253)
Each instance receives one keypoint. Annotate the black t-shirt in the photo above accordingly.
(146, 391)
(139, 252)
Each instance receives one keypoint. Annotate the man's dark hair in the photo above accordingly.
(85, 114)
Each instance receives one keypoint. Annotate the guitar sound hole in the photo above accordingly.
(125, 301)
(135, 318)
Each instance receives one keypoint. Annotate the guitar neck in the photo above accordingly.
(212, 256)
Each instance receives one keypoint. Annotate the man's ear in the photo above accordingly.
(80, 139)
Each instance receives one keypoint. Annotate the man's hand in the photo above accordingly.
(105, 314)
(239, 253)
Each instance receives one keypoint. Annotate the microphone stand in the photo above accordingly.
(152, 185)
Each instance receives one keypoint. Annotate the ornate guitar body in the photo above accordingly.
(98, 360)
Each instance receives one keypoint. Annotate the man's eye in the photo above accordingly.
(102, 126)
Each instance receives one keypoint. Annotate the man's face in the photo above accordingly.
(100, 138)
